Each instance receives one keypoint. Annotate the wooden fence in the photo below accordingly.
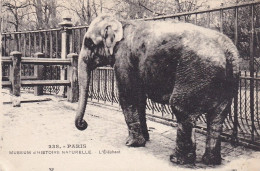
(16, 82)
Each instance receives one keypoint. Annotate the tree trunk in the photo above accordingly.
(39, 12)
(178, 6)
(52, 11)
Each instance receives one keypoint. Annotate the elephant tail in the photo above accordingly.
(232, 65)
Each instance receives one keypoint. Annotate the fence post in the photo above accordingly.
(65, 47)
(73, 89)
(15, 78)
(251, 68)
(234, 138)
(38, 72)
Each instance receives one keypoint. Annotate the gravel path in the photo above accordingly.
(45, 132)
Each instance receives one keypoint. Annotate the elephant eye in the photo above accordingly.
(89, 43)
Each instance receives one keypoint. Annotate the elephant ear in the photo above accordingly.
(107, 29)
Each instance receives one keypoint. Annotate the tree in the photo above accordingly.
(84, 10)
(46, 13)
(17, 10)
(151, 8)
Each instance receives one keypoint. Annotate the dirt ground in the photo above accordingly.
(45, 134)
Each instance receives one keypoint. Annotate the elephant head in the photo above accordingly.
(97, 50)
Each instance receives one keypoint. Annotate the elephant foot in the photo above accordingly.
(135, 138)
(182, 159)
(135, 142)
(146, 135)
(211, 159)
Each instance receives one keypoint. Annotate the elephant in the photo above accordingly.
(193, 69)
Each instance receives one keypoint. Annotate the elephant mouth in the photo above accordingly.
(100, 60)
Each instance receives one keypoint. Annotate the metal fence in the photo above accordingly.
(241, 125)
(240, 22)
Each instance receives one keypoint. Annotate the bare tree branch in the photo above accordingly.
(143, 6)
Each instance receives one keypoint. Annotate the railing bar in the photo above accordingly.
(257, 102)
(30, 44)
(162, 107)
(235, 122)
(227, 123)
(101, 84)
(57, 45)
(148, 104)
(246, 103)
(105, 86)
(241, 113)
(93, 85)
(51, 44)
(24, 44)
(5, 36)
(73, 40)
(34, 43)
(251, 66)
(31, 60)
(98, 84)
(240, 97)
(6, 83)
(77, 48)
(51, 68)
(250, 78)
(108, 87)
(77, 27)
(46, 44)
(32, 31)
(44, 82)
(9, 45)
(40, 42)
(80, 40)
(5, 59)
(112, 87)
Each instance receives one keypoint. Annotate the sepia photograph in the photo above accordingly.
(126, 85)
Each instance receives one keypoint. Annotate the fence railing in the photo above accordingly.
(15, 81)
(240, 22)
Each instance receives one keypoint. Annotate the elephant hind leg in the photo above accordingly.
(215, 120)
(185, 151)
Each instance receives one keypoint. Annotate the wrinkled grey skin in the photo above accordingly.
(193, 69)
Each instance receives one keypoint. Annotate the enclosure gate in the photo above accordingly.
(240, 22)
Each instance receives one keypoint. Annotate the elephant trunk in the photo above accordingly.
(84, 81)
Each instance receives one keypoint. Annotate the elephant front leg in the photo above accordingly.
(215, 119)
(132, 100)
(142, 115)
(136, 136)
